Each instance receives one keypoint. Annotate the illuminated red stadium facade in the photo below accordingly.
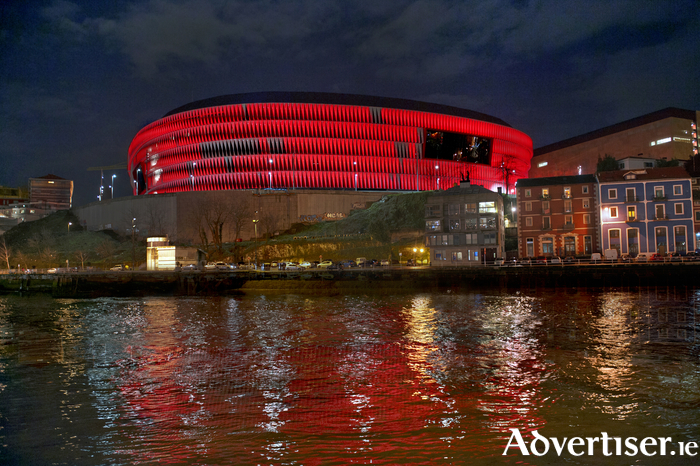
(280, 140)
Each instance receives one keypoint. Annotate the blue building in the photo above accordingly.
(646, 211)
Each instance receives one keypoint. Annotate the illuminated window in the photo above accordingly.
(528, 192)
(433, 225)
(541, 164)
(586, 203)
(487, 207)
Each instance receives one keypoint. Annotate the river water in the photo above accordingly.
(425, 378)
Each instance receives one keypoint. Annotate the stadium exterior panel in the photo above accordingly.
(280, 140)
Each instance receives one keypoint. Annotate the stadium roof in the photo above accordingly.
(335, 99)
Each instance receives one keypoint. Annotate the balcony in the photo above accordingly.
(632, 199)
(660, 218)
(659, 198)
(545, 197)
(547, 228)
(567, 196)
(569, 226)
(546, 211)
(632, 219)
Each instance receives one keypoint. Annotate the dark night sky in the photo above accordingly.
(78, 79)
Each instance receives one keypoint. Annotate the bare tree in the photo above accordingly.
(241, 213)
(82, 256)
(5, 252)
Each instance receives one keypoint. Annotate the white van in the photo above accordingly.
(611, 254)
(595, 257)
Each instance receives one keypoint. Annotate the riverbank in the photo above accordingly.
(142, 283)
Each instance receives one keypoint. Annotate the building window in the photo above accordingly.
(587, 245)
(633, 241)
(660, 211)
(631, 197)
(661, 244)
(569, 246)
(456, 240)
(528, 206)
(528, 220)
(470, 208)
(530, 247)
(433, 225)
(528, 193)
(612, 193)
(545, 193)
(487, 207)
(679, 234)
(677, 189)
(567, 193)
(490, 238)
(697, 215)
(547, 245)
(586, 203)
(457, 256)
(584, 189)
(471, 238)
(453, 209)
(678, 208)
(568, 205)
(659, 192)
(545, 207)
(613, 212)
(631, 213)
(586, 219)
(569, 220)
(546, 223)
(433, 210)
(614, 237)
(454, 225)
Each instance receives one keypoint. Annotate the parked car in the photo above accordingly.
(116, 268)
(325, 264)
(361, 261)
(539, 260)
(642, 257)
(656, 257)
(596, 257)
(410, 262)
(189, 268)
(385, 263)
(525, 261)
(555, 260)
(292, 266)
(611, 255)
(569, 260)
(348, 263)
(307, 265)
(626, 258)
(266, 266)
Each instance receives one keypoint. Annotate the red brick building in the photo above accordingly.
(557, 216)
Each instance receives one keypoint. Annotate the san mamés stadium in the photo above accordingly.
(288, 140)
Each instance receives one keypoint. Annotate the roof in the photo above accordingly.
(459, 190)
(48, 177)
(670, 112)
(335, 99)
(555, 180)
(645, 174)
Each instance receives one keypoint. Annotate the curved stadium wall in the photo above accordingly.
(283, 140)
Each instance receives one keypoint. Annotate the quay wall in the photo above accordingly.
(388, 280)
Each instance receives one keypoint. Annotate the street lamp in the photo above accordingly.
(255, 225)
(269, 173)
(113, 177)
(437, 183)
(69, 224)
(354, 164)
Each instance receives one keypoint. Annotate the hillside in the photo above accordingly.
(364, 233)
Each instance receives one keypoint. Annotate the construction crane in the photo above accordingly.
(118, 166)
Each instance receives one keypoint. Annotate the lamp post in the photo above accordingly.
(133, 243)
(354, 165)
(113, 177)
(437, 183)
(69, 224)
(269, 173)
(255, 226)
